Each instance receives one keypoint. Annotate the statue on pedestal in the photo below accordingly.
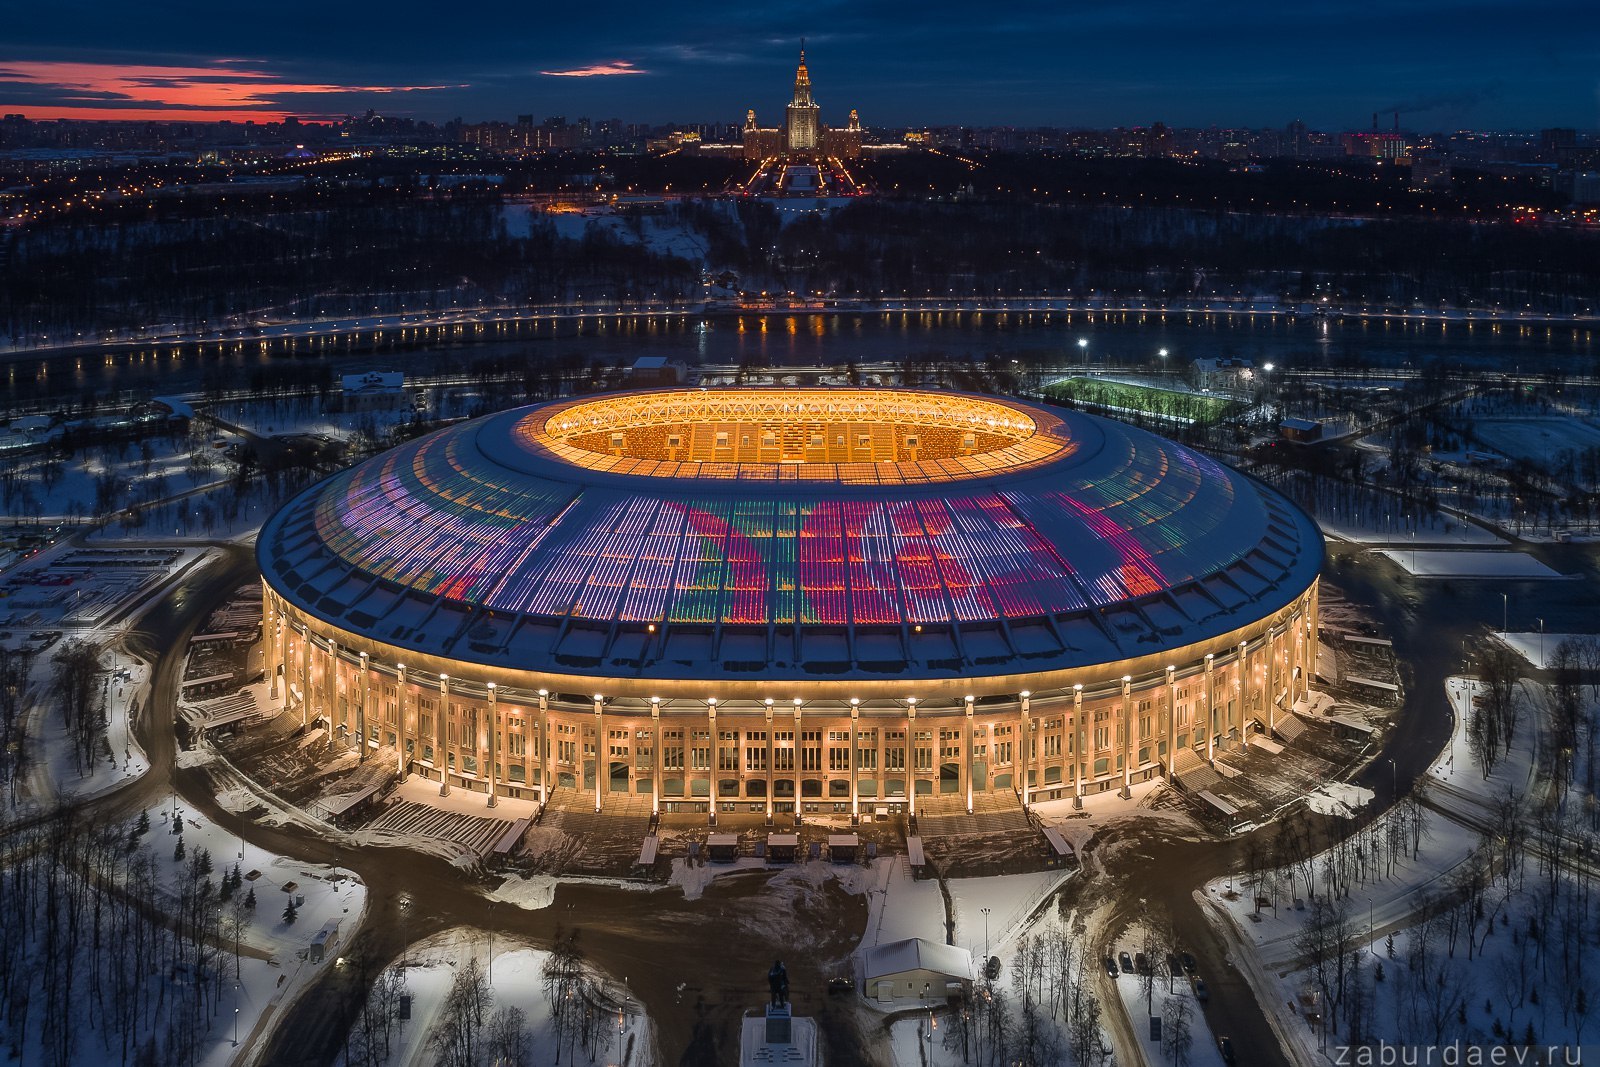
(778, 983)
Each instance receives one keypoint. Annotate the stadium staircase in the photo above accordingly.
(1192, 773)
(608, 842)
(999, 837)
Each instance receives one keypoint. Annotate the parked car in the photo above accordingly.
(1225, 1046)
(1189, 966)
(1199, 986)
(1111, 967)
(1174, 965)
(1126, 961)
(1141, 963)
(837, 986)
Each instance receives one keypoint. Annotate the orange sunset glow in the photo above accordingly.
(597, 70)
(226, 90)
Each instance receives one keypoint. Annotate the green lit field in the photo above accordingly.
(1144, 399)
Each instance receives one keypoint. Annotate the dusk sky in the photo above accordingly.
(1444, 63)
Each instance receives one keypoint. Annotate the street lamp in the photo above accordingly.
(985, 939)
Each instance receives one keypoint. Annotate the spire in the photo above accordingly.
(802, 78)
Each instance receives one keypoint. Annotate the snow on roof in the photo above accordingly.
(914, 954)
(650, 363)
(1074, 541)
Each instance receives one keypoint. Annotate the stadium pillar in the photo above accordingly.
(1082, 754)
(768, 705)
(271, 630)
(402, 726)
(330, 685)
(966, 739)
(1238, 692)
(855, 792)
(799, 746)
(494, 725)
(361, 709)
(1127, 736)
(1211, 712)
(282, 666)
(546, 768)
(655, 775)
(599, 753)
(1172, 723)
(441, 758)
(712, 759)
(1025, 734)
(305, 672)
(910, 761)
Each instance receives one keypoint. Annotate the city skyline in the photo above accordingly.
(1440, 64)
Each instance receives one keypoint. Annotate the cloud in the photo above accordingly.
(210, 91)
(597, 70)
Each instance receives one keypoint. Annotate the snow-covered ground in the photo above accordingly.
(1442, 530)
(67, 593)
(272, 966)
(1469, 564)
(1540, 439)
(1538, 649)
(1202, 1049)
(57, 777)
(514, 976)
(1382, 911)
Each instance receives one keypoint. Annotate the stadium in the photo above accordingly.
(790, 601)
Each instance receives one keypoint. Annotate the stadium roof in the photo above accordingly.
(576, 537)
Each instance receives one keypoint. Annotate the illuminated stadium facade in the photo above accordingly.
(790, 600)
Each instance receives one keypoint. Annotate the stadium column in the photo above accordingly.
(799, 746)
(282, 666)
(599, 748)
(855, 792)
(402, 726)
(271, 629)
(712, 758)
(330, 683)
(1211, 711)
(441, 758)
(1303, 645)
(1082, 737)
(768, 705)
(910, 761)
(305, 672)
(966, 741)
(1021, 782)
(361, 709)
(546, 767)
(1238, 715)
(1127, 736)
(1172, 722)
(493, 728)
(655, 774)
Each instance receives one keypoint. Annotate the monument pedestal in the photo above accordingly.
(779, 1028)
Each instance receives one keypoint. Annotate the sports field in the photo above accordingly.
(1145, 399)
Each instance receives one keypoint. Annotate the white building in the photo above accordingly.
(918, 970)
